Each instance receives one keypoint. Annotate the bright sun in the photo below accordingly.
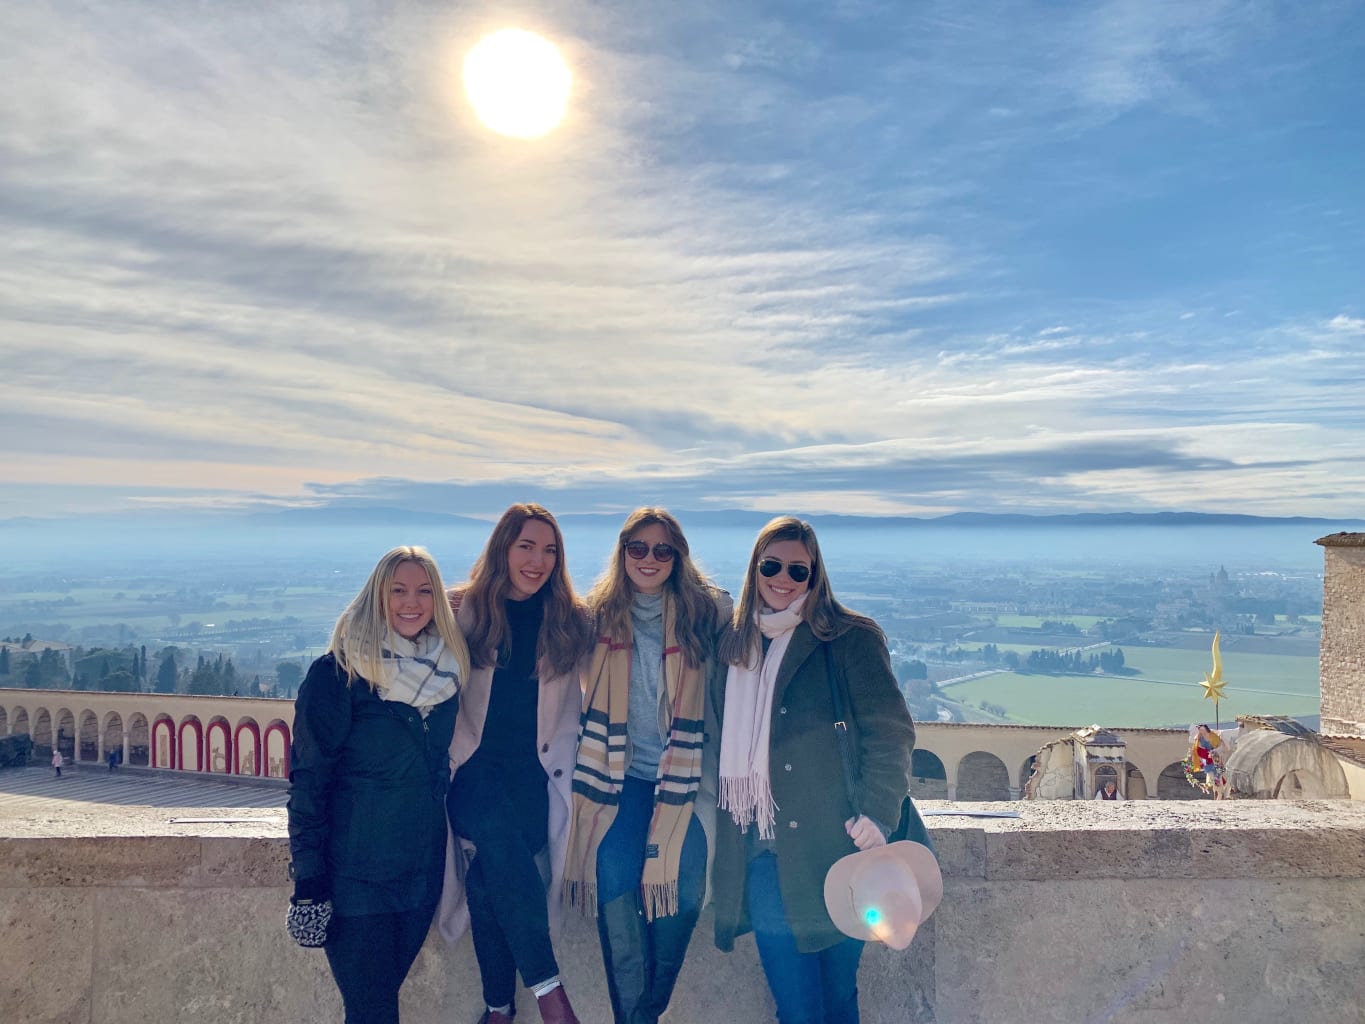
(517, 83)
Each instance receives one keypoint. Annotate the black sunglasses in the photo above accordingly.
(770, 567)
(637, 549)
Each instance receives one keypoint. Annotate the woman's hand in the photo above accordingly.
(865, 833)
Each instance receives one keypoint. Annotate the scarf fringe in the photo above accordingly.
(660, 899)
(749, 799)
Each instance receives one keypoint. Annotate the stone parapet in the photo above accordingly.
(1342, 652)
(1145, 911)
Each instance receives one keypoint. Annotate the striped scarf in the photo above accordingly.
(601, 770)
(420, 671)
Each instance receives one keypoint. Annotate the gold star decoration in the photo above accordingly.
(1213, 684)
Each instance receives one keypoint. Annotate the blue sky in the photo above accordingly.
(855, 257)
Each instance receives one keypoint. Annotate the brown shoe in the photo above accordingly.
(555, 1008)
(490, 1017)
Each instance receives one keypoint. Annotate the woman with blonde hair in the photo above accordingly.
(512, 761)
(368, 771)
(789, 643)
(641, 831)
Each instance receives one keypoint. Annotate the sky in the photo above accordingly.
(856, 257)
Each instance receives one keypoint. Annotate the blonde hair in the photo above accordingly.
(564, 636)
(694, 595)
(826, 617)
(358, 637)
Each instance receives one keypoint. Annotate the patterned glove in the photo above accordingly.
(307, 921)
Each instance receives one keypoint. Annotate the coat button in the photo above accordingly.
(786, 767)
(558, 772)
(545, 748)
(791, 824)
(781, 711)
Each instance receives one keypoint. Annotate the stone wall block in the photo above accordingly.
(245, 862)
(98, 861)
(47, 961)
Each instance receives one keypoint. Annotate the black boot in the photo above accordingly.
(669, 937)
(626, 956)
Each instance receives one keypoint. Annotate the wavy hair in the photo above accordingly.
(358, 637)
(826, 617)
(695, 619)
(564, 636)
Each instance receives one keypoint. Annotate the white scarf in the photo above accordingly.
(745, 787)
(420, 672)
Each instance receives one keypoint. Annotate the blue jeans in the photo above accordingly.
(809, 988)
(621, 854)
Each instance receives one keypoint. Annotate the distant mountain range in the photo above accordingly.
(373, 516)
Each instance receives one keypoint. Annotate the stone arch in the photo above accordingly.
(1137, 782)
(190, 737)
(929, 779)
(88, 737)
(66, 733)
(19, 724)
(277, 746)
(1172, 785)
(113, 734)
(4, 722)
(1270, 765)
(1026, 770)
(218, 746)
(982, 776)
(246, 743)
(163, 741)
(42, 733)
(139, 740)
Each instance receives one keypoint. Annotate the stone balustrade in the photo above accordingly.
(1077, 911)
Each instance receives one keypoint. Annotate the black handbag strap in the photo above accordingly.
(837, 691)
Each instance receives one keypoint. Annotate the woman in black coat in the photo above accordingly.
(368, 776)
(781, 776)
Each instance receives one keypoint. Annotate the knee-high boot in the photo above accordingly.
(626, 956)
(669, 937)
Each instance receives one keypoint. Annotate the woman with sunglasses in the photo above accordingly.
(512, 760)
(782, 778)
(641, 833)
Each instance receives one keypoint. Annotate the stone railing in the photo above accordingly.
(1076, 912)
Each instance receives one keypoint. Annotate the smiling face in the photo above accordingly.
(648, 575)
(411, 600)
(531, 558)
(778, 592)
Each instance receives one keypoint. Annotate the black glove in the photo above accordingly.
(310, 911)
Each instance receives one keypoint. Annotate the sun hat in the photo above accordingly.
(884, 894)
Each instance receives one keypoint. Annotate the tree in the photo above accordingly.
(167, 673)
(33, 675)
(290, 674)
(119, 681)
(4, 661)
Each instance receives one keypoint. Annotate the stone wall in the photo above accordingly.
(1343, 634)
(1240, 912)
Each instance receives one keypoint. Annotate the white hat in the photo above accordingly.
(884, 894)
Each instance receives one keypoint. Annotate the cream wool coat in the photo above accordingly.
(561, 701)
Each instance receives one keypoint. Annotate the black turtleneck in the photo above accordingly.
(509, 733)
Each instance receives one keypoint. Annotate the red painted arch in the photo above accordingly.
(283, 730)
(247, 737)
(162, 726)
(219, 726)
(196, 727)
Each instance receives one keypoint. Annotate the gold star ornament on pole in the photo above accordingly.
(1213, 683)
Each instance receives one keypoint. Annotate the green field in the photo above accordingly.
(1166, 691)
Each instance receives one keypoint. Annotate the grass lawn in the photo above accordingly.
(1257, 684)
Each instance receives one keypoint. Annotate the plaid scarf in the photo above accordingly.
(601, 770)
(420, 671)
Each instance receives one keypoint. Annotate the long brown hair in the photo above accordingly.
(564, 635)
(695, 619)
(826, 617)
(358, 637)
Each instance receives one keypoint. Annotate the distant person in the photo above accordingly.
(782, 777)
(372, 728)
(512, 760)
(112, 759)
(57, 762)
(1109, 791)
(644, 810)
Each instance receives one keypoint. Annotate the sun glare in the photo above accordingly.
(517, 83)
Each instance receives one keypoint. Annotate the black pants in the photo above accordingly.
(503, 809)
(370, 956)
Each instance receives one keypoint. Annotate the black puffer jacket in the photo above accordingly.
(368, 779)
